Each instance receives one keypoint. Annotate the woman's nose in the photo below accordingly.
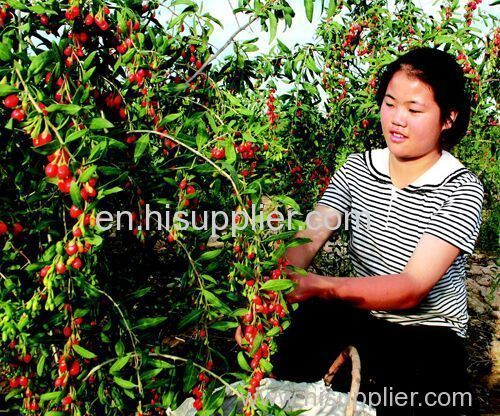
(399, 117)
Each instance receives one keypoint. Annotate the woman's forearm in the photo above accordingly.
(385, 292)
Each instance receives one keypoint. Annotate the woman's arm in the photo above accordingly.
(428, 263)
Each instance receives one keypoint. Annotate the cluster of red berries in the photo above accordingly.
(272, 116)
(469, 10)
(186, 196)
(16, 229)
(352, 37)
(22, 381)
(199, 389)
(139, 76)
(218, 153)
(12, 103)
(58, 167)
(112, 103)
(193, 60)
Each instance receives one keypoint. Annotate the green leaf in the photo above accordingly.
(83, 352)
(88, 60)
(162, 364)
(224, 325)
(88, 173)
(216, 302)
(190, 377)
(5, 53)
(140, 147)
(243, 362)
(40, 366)
(70, 109)
(40, 62)
(278, 284)
(146, 323)
(124, 383)
(209, 255)
(100, 124)
(273, 23)
(119, 364)
(119, 348)
(332, 6)
(283, 47)
(7, 90)
(75, 136)
(46, 397)
(16, 4)
(191, 317)
(312, 65)
(171, 117)
(75, 194)
(309, 5)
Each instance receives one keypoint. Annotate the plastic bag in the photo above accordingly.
(316, 397)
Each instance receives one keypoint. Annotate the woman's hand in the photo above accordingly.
(307, 287)
(238, 336)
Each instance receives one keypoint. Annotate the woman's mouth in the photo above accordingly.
(397, 137)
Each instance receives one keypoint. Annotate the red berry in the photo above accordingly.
(75, 369)
(67, 331)
(18, 114)
(76, 263)
(63, 171)
(27, 358)
(11, 101)
(17, 228)
(198, 404)
(51, 170)
(71, 249)
(66, 401)
(89, 20)
(3, 228)
(183, 184)
(23, 381)
(190, 189)
(60, 268)
(75, 212)
(78, 321)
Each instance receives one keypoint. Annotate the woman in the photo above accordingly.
(418, 212)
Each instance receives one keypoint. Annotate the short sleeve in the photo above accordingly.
(337, 195)
(459, 218)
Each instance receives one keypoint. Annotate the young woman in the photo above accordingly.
(417, 213)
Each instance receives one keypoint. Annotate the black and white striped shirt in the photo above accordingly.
(444, 201)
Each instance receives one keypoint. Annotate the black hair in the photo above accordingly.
(444, 75)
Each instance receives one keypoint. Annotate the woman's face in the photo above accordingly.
(410, 117)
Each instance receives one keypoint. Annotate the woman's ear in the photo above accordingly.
(450, 120)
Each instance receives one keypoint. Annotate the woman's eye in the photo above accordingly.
(389, 105)
(414, 111)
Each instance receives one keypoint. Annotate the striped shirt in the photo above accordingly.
(386, 223)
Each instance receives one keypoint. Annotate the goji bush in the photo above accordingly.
(107, 108)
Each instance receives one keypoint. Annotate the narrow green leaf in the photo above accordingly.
(126, 384)
(209, 255)
(75, 194)
(190, 377)
(83, 352)
(278, 284)
(309, 5)
(146, 323)
(100, 124)
(273, 24)
(242, 362)
(140, 147)
(119, 364)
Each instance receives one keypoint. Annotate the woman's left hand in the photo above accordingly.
(306, 287)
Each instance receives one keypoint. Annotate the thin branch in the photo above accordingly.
(216, 54)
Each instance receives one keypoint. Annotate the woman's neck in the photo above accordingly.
(404, 171)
